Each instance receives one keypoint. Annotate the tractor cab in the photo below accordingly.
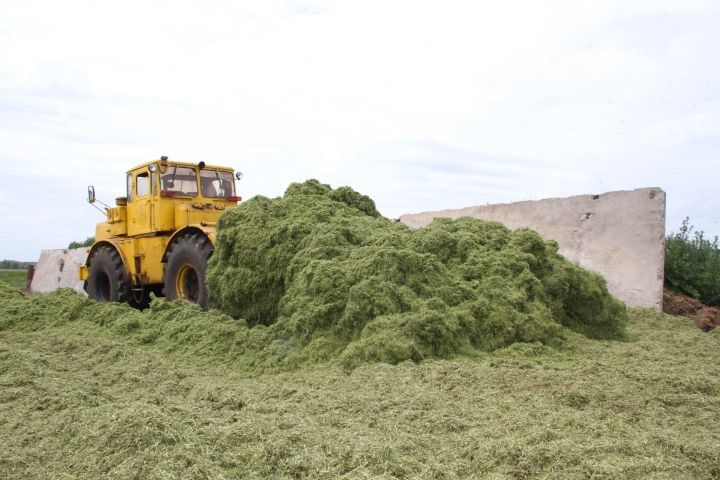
(159, 236)
(162, 196)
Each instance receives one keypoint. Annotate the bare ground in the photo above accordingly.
(706, 318)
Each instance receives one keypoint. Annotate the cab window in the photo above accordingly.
(179, 181)
(217, 184)
(142, 183)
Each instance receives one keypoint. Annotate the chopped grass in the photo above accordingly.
(332, 279)
(85, 399)
(13, 277)
(366, 349)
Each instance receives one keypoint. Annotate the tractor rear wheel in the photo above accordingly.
(106, 277)
(185, 268)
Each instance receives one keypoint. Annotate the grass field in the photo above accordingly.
(14, 278)
(79, 400)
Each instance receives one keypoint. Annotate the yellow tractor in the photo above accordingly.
(160, 236)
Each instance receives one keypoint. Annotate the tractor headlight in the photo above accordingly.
(238, 175)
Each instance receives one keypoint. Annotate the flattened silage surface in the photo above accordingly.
(103, 391)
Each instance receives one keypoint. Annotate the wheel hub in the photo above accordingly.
(188, 284)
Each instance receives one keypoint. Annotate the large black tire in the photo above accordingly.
(185, 268)
(107, 280)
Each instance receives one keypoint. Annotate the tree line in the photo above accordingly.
(14, 265)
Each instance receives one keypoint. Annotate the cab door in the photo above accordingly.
(141, 205)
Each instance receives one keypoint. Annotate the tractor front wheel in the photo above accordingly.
(185, 268)
(106, 280)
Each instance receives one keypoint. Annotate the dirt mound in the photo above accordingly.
(706, 318)
(333, 278)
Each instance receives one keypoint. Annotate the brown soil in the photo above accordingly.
(706, 318)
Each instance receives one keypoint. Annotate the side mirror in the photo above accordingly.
(91, 194)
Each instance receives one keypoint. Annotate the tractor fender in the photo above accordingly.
(113, 243)
(209, 232)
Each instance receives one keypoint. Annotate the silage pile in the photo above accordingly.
(332, 279)
(319, 276)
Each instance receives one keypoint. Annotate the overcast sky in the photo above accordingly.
(421, 105)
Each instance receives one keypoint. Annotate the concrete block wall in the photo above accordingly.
(59, 269)
(620, 235)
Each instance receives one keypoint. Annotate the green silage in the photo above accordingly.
(330, 276)
(204, 337)
(91, 390)
(82, 397)
(319, 276)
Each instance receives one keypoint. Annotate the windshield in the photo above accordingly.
(179, 181)
(217, 184)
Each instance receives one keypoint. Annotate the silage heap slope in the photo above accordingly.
(332, 278)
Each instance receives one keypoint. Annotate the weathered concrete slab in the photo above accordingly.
(59, 269)
(620, 235)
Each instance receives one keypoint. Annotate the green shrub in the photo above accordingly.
(692, 263)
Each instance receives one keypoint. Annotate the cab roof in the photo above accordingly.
(179, 164)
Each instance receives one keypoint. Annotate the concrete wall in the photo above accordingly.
(620, 235)
(59, 269)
